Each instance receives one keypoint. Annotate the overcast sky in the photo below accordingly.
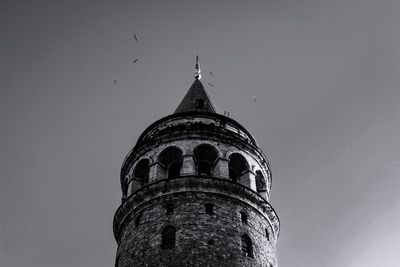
(326, 76)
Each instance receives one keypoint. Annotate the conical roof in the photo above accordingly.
(196, 99)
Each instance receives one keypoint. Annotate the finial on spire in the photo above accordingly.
(197, 74)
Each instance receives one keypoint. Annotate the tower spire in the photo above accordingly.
(197, 73)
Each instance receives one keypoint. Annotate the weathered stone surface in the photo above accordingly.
(201, 239)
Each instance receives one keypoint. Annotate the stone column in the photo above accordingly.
(221, 168)
(157, 172)
(188, 166)
(247, 178)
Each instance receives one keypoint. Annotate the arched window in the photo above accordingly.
(168, 237)
(141, 171)
(140, 175)
(169, 209)
(205, 156)
(171, 160)
(243, 217)
(209, 208)
(247, 246)
(237, 167)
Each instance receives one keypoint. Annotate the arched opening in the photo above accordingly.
(238, 166)
(171, 162)
(141, 171)
(168, 237)
(140, 175)
(205, 156)
(247, 246)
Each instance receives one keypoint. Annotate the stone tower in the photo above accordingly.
(195, 191)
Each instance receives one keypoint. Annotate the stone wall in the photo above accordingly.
(201, 239)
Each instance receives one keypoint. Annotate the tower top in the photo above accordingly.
(196, 99)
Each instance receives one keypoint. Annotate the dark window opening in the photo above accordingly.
(205, 156)
(137, 220)
(243, 216)
(237, 166)
(204, 168)
(125, 187)
(199, 103)
(233, 175)
(170, 209)
(168, 237)
(171, 160)
(174, 170)
(247, 246)
(209, 208)
(267, 233)
(142, 170)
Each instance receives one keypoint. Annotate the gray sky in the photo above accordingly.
(326, 75)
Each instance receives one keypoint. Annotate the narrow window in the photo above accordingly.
(243, 217)
(137, 220)
(199, 103)
(267, 233)
(209, 208)
(169, 209)
(247, 246)
(168, 237)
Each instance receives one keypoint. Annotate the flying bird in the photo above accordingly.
(254, 99)
(212, 85)
(135, 37)
(212, 74)
(135, 60)
(115, 81)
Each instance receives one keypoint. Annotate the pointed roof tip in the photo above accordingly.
(197, 73)
(196, 99)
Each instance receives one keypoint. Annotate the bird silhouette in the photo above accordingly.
(212, 85)
(135, 37)
(212, 74)
(135, 60)
(115, 81)
(254, 99)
